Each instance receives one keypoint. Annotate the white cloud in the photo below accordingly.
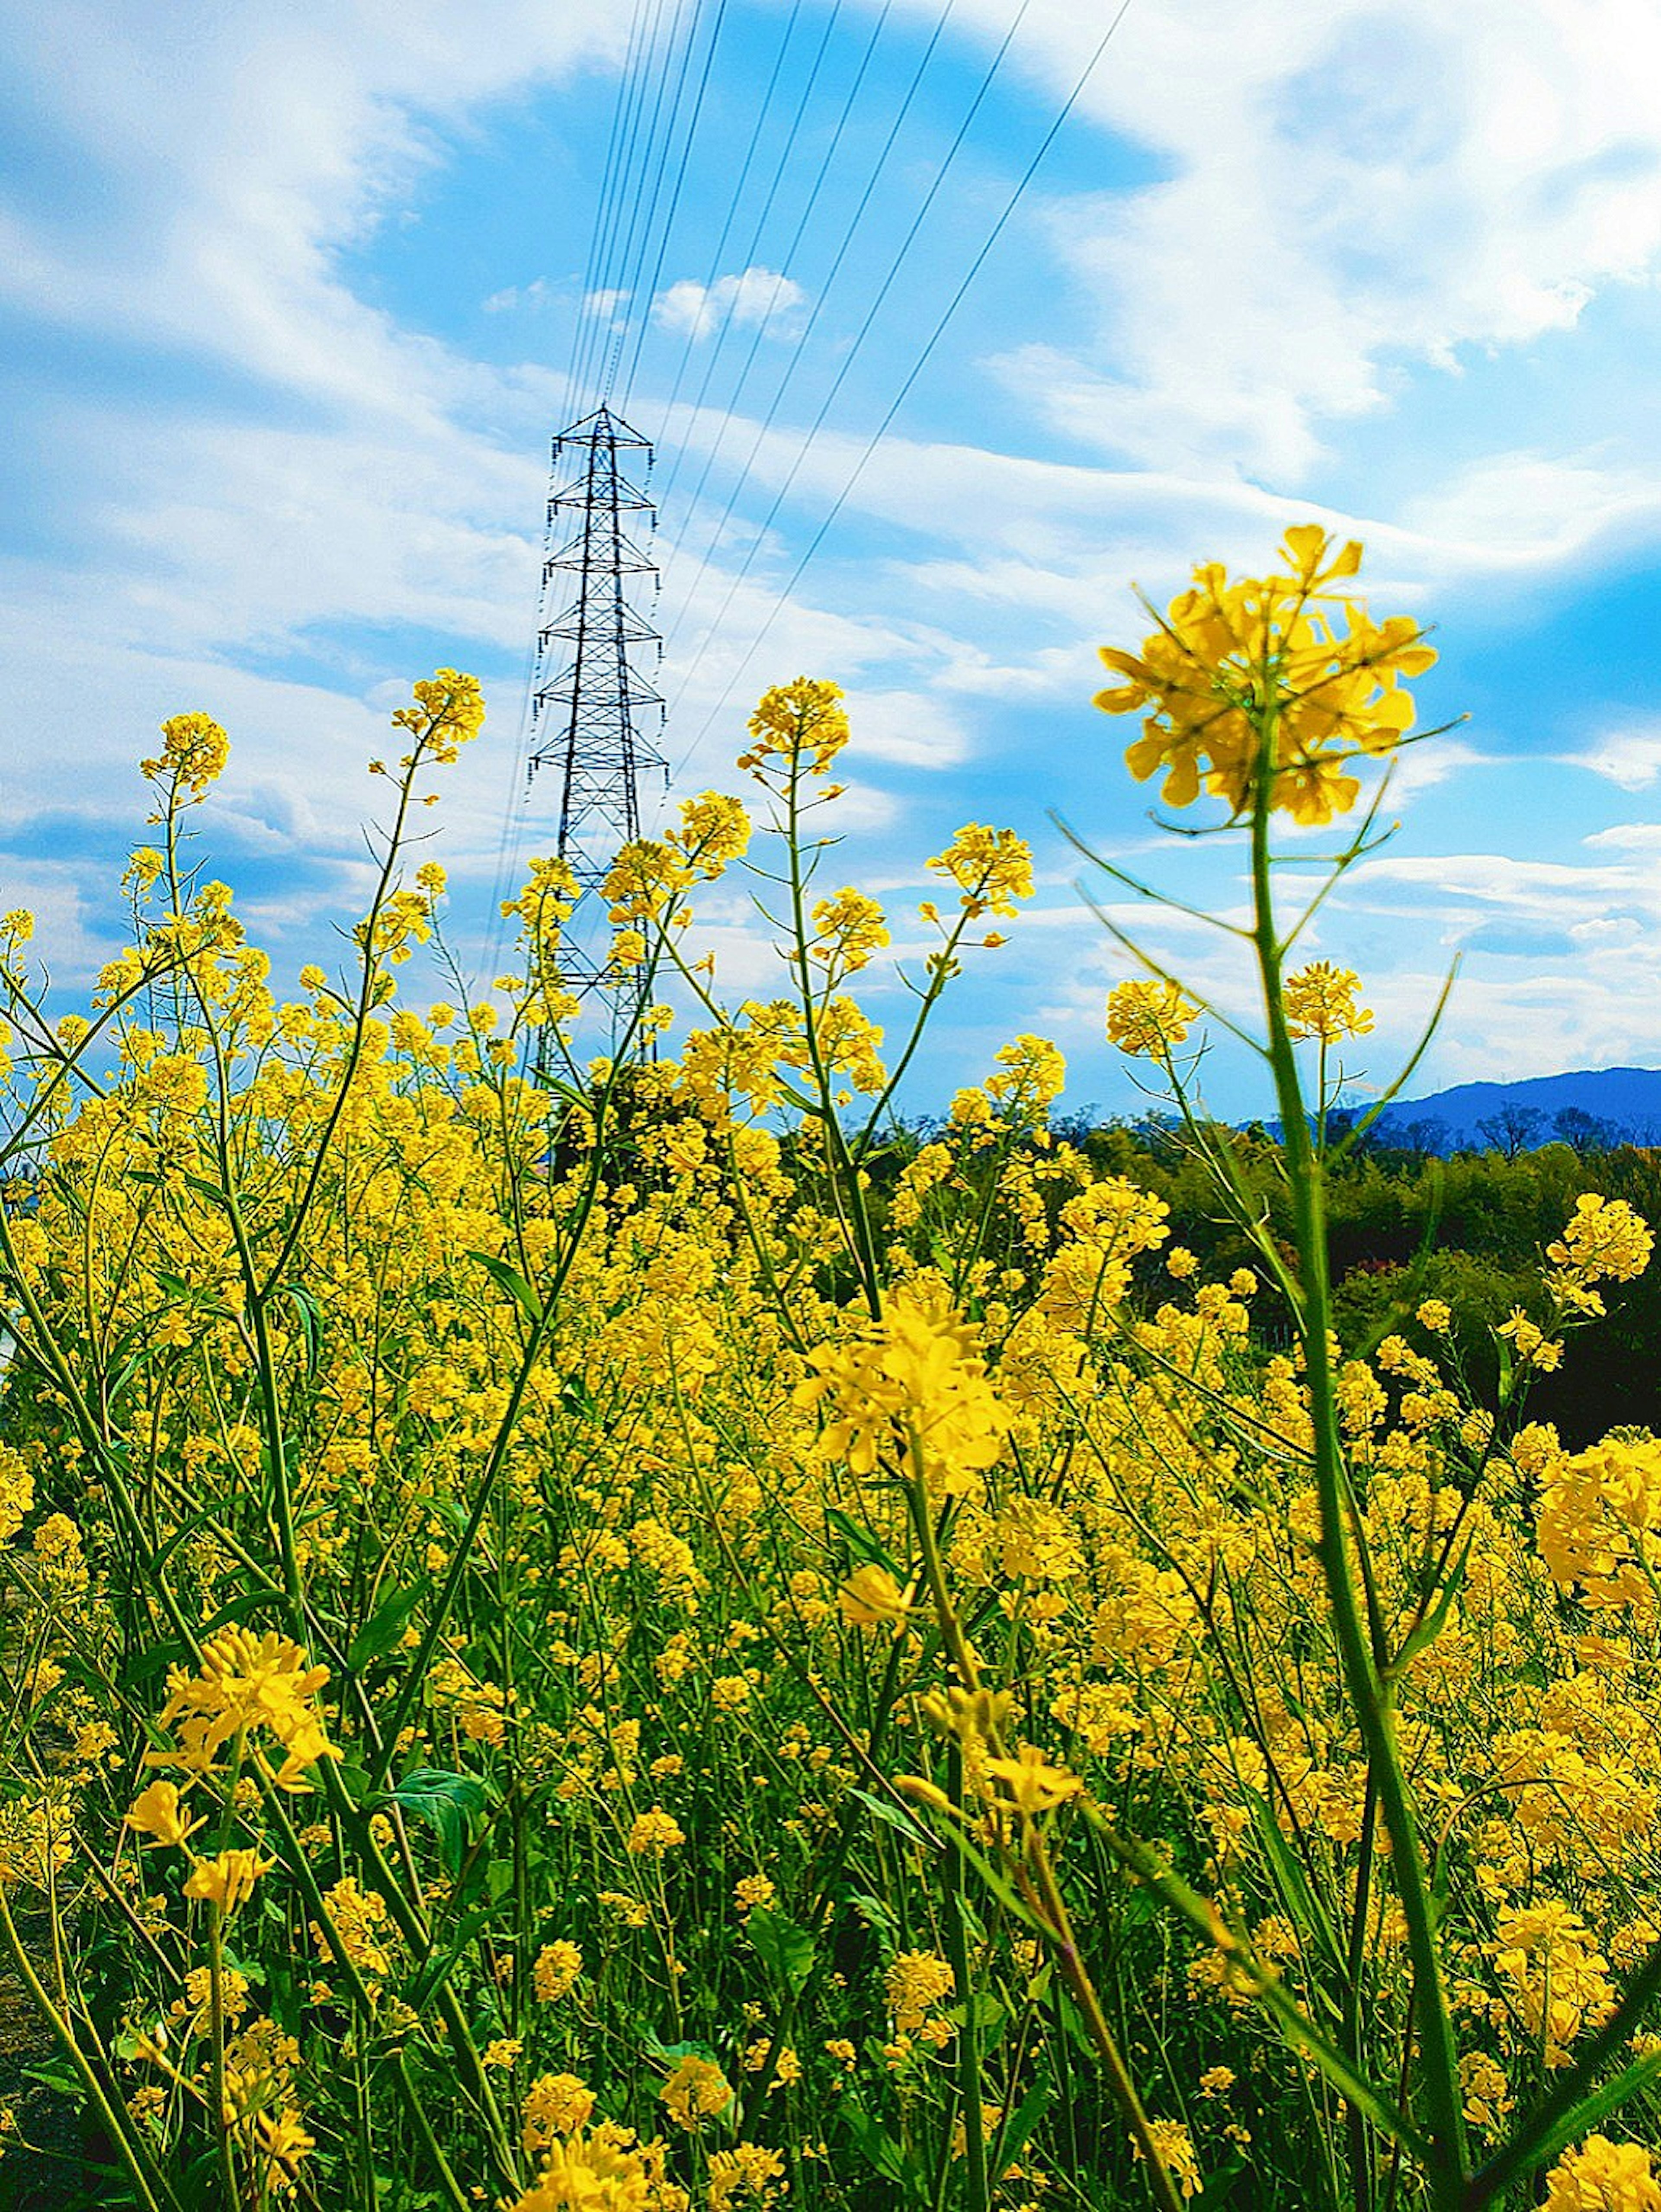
(908, 728)
(1352, 191)
(1628, 836)
(757, 298)
(537, 294)
(1628, 755)
(238, 151)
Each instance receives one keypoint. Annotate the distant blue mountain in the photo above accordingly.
(1605, 1105)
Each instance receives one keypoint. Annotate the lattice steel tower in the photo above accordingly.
(587, 695)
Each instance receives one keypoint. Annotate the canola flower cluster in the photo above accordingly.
(620, 1642)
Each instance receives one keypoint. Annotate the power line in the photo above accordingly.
(762, 113)
(800, 351)
(798, 346)
(748, 259)
(899, 399)
(600, 325)
(625, 116)
(628, 283)
(613, 144)
(875, 308)
(649, 293)
(622, 137)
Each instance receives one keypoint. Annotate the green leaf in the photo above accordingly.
(1434, 1622)
(203, 1188)
(239, 1608)
(157, 1661)
(311, 1325)
(448, 1803)
(671, 2054)
(1540, 2148)
(861, 1544)
(510, 1281)
(787, 1951)
(895, 1817)
(1026, 2116)
(878, 2147)
(801, 1101)
(384, 1629)
(438, 1968)
(1303, 1908)
(876, 1913)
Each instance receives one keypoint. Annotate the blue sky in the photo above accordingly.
(287, 301)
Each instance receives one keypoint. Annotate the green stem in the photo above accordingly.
(1038, 1876)
(152, 2190)
(1374, 1713)
(977, 2196)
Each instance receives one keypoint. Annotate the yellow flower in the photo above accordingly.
(1175, 2153)
(911, 1386)
(696, 2092)
(555, 2104)
(1031, 1072)
(1230, 660)
(555, 1971)
(871, 1597)
(915, 1984)
(848, 930)
(753, 1891)
(157, 1812)
(247, 1682)
(1320, 1002)
(1601, 2176)
(1030, 1783)
(357, 1919)
(992, 868)
(281, 2141)
(745, 2173)
(1147, 1018)
(1599, 1510)
(714, 832)
(655, 1832)
(194, 751)
(448, 712)
(597, 2173)
(801, 723)
(228, 1881)
(1531, 1345)
(1604, 1238)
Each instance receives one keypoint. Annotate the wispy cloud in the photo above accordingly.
(1351, 189)
(1628, 755)
(756, 299)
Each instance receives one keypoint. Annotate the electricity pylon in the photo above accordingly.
(587, 695)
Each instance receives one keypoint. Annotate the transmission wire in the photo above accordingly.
(899, 399)
(628, 284)
(614, 180)
(799, 343)
(613, 144)
(738, 191)
(848, 359)
(748, 259)
(799, 351)
(598, 336)
(650, 291)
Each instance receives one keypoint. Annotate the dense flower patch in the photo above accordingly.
(626, 1637)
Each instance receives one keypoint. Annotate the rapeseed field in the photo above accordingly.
(630, 1636)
